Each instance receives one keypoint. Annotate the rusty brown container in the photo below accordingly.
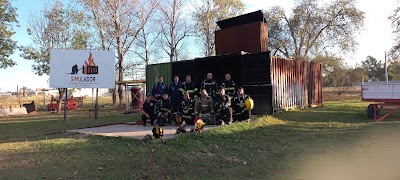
(252, 38)
(295, 83)
(137, 97)
(248, 32)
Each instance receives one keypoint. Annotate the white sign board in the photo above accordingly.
(82, 69)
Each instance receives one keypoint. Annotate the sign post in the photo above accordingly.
(82, 69)
(96, 106)
(65, 104)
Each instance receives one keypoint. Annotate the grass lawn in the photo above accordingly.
(336, 141)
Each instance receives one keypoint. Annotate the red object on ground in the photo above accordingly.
(70, 106)
(196, 119)
(52, 107)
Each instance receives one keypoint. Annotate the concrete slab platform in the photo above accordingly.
(132, 130)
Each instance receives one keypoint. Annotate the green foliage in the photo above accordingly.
(394, 70)
(337, 74)
(8, 16)
(358, 74)
(55, 27)
(395, 20)
(209, 12)
(373, 68)
(314, 27)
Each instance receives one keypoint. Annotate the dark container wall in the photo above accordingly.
(219, 66)
(256, 79)
(251, 71)
(256, 68)
(183, 68)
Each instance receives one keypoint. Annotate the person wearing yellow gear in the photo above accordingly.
(222, 103)
(210, 85)
(204, 107)
(240, 111)
(230, 85)
(164, 110)
(189, 87)
(186, 109)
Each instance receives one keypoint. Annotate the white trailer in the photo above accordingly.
(381, 95)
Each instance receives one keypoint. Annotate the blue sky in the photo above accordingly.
(374, 40)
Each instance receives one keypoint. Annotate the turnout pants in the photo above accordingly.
(225, 115)
(245, 115)
(152, 118)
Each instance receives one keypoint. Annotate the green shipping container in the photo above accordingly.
(155, 70)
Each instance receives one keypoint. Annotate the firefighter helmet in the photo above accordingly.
(249, 104)
(199, 125)
(157, 131)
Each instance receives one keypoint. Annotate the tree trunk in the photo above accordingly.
(120, 94)
(61, 93)
(114, 97)
(120, 78)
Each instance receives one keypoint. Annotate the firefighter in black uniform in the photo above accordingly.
(204, 107)
(163, 110)
(240, 113)
(189, 87)
(148, 110)
(230, 85)
(223, 111)
(186, 109)
(210, 85)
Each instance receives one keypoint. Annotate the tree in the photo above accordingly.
(146, 42)
(337, 74)
(313, 28)
(329, 64)
(8, 16)
(119, 24)
(207, 13)
(394, 70)
(56, 27)
(395, 20)
(373, 68)
(358, 74)
(174, 27)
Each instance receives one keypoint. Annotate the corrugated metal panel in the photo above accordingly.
(154, 70)
(380, 91)
(252, 38)
(295, 83)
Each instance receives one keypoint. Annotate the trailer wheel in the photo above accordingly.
(370, 111)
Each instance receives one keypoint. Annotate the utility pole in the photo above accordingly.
(386, 71)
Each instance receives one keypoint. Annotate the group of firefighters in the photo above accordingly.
(181, 102)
